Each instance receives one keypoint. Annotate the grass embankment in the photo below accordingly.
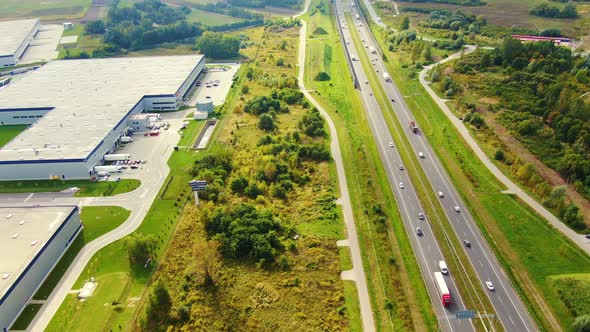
(110, 266)
(97, 220)
(7, 133)
(392, 271)
(472, 293)
(63, 9)
(529, 249)
(87, 188)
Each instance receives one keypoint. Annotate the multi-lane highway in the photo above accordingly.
(509, 308)
(428, 253)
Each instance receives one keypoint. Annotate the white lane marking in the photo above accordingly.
(29, 197)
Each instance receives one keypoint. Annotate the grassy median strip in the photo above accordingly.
(398, 295)
(466, 280)
(87, 188)
(529, 249)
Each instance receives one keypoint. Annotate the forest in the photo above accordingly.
(540, 90)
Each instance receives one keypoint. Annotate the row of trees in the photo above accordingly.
(546, 9)
(457, 21)
(217, 45)
(451, 2)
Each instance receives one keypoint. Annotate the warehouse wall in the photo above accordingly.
(191, 79)
(23, 46)
(14, 301)
(21, 116)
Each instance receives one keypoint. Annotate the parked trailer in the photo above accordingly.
(115, 157)
(126, 139)
(413, 127)
(107, 169)
(443, 290)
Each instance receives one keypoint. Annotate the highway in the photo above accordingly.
(425, 246)
(510, 310)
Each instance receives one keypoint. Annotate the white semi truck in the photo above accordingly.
(108, 169)
(115, 157)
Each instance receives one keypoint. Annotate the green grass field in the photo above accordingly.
(51, 9)
(87, 188)
(7, 133)
(210, 19)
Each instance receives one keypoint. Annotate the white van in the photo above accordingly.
(420, 154)
(443, 267)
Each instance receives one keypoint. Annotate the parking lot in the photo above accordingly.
(215, 83)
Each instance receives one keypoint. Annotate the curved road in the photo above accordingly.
(357, 274)
(580, 240)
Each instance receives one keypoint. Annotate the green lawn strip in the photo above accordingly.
(7, 133)
(378, 248)
(26, 316)
(87, 188)
(160, 221)
(97, 220)
(473, 295)
(528, 269)
(352, 306)
(209, 18)
(63, 9)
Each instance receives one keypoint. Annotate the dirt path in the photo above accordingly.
(547, 173)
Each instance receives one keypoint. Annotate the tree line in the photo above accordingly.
(545, 9)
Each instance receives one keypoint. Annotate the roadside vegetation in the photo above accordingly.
(510, 227)
(86, 188)
(263, 241)
(535, 93)
(399, 297)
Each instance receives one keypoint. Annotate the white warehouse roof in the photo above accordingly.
(13, 33)
(88, 99)
(24, 231)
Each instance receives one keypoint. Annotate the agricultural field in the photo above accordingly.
(49, 10)
(210, 19)
(508, 14)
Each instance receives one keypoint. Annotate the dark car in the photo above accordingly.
(419, 231)
(467, 243)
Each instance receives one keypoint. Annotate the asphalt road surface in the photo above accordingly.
(509, 308)
(426, 248)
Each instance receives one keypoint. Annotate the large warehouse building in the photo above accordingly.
(33, 240)
(15, 37)
(79, 110)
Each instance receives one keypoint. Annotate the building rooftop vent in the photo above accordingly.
(5, 275)
(9, 216)
(34, 242)
(15, 235)
(22, 222)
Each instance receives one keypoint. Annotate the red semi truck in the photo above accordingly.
(443, 290)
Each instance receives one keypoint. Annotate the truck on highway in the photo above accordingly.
(372, 49)
(413, 127)
(442, 289)
(386, 77)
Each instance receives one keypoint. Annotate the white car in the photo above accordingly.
(420, 215)
(420, 154)
(366, 82)
(457, 209)
(440, 194)
(391, 144)
(489, 285)
(401, 185)
(401, 167)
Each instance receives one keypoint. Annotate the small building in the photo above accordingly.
(554, 40)
(205, 105)
(15, 38)
(198, 115)
(68, 26)
(32, 241)
(139, 122)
